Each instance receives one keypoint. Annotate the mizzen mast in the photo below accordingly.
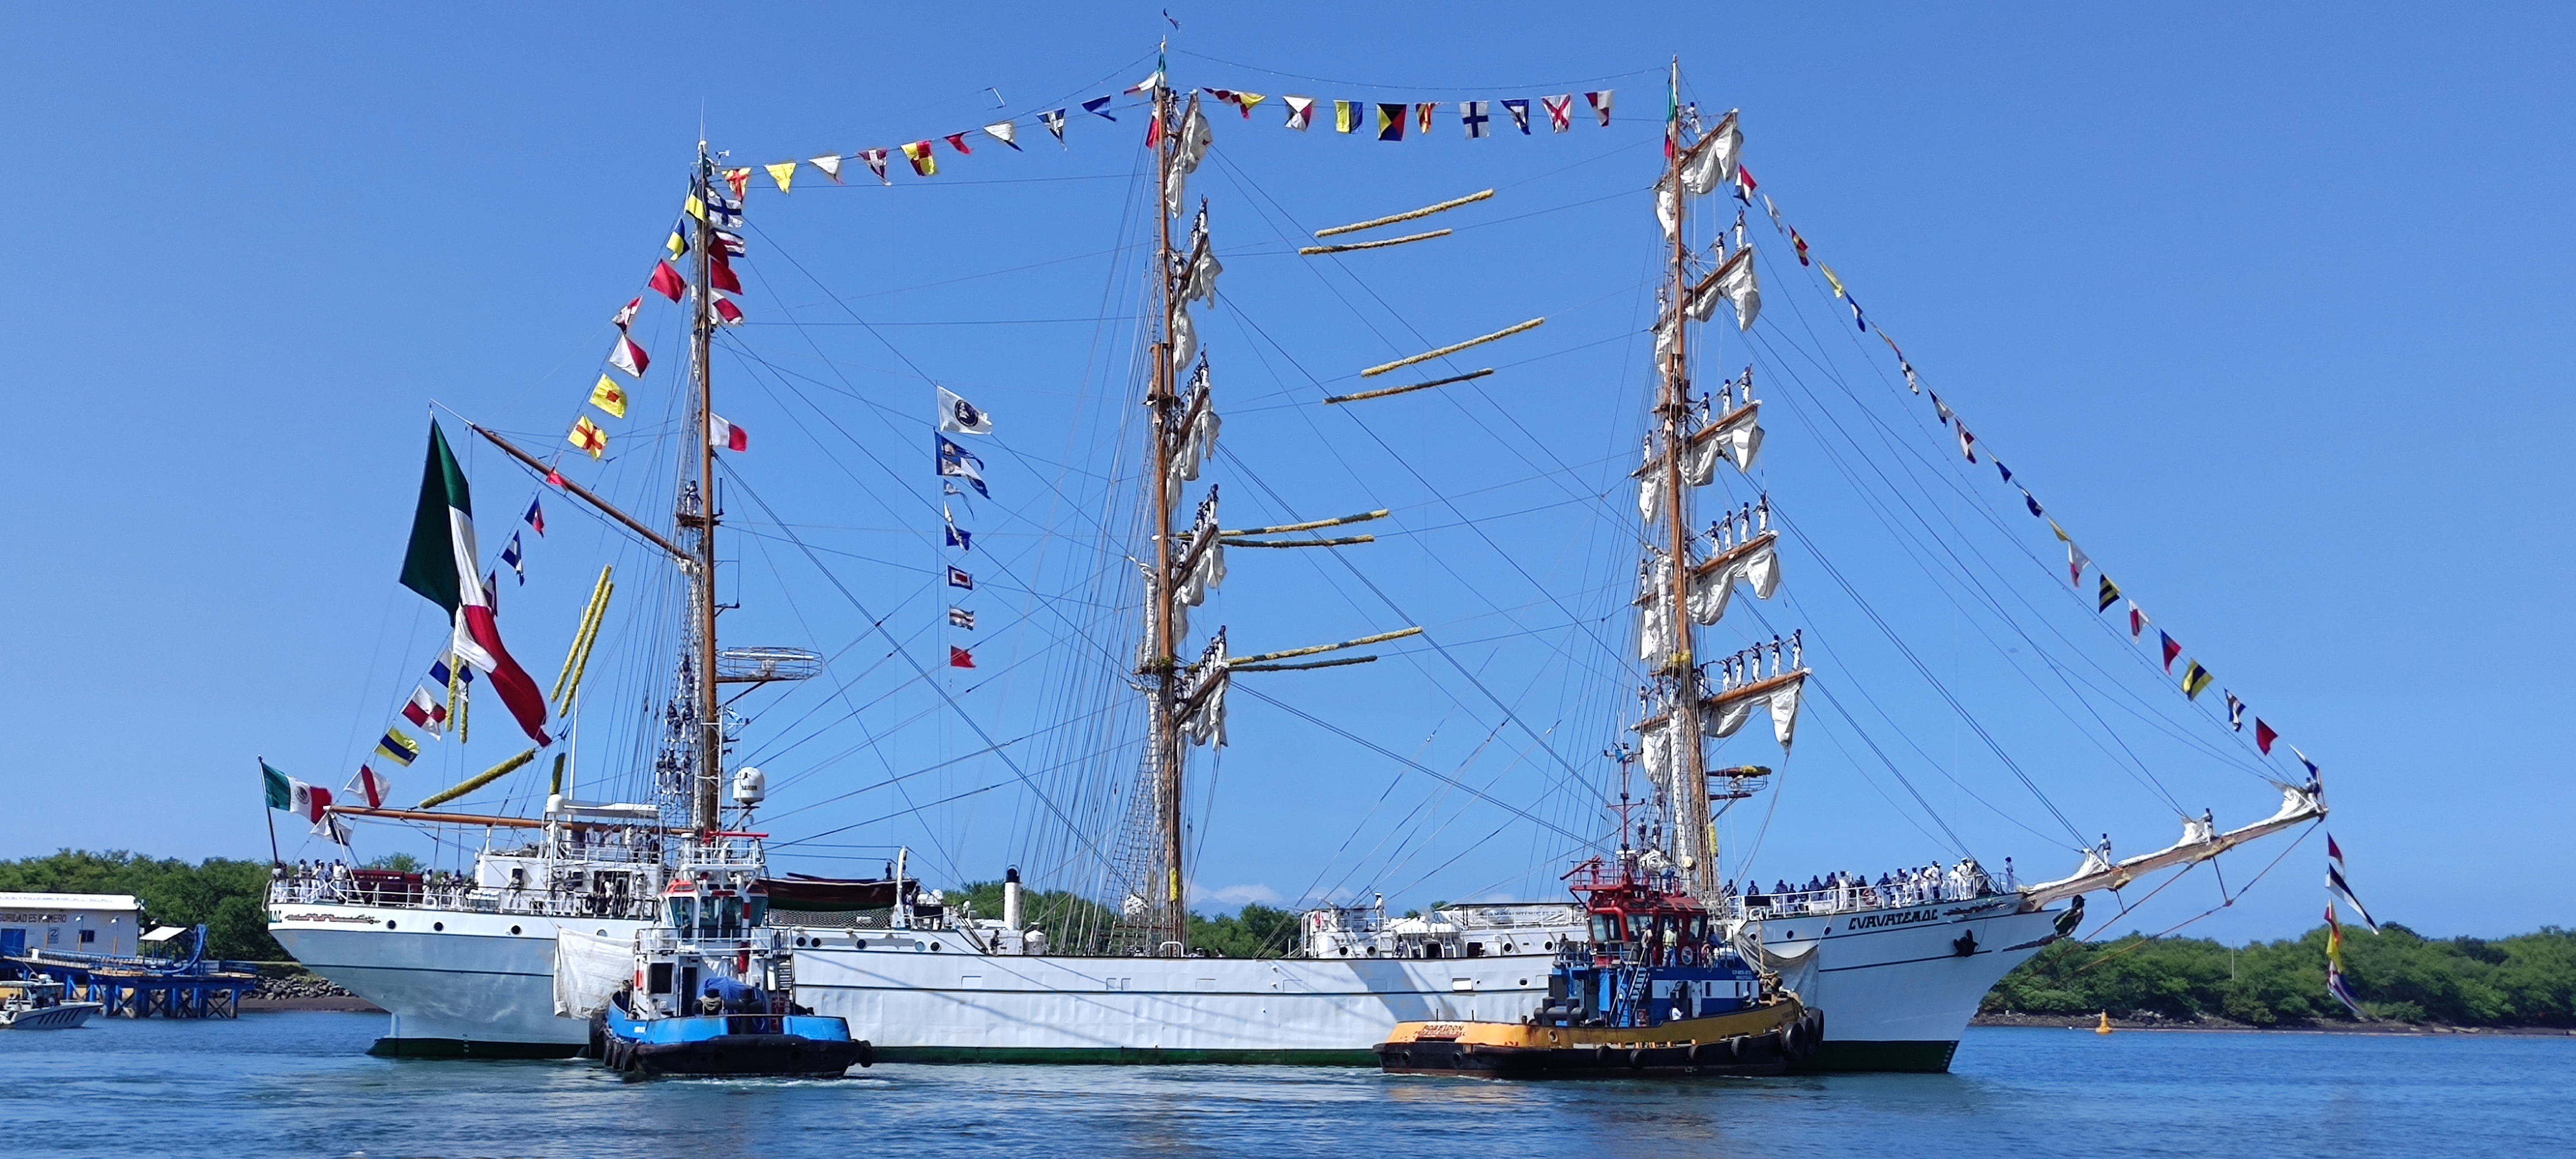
(1677, 675)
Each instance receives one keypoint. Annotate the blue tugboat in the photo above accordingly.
(1656, 989)
(713, 992)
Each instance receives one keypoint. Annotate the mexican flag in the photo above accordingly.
(441, 565)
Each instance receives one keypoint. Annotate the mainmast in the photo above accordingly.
(1688, 787)
(701, 514)
(1162, 667)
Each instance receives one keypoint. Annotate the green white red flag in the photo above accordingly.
(440, 565)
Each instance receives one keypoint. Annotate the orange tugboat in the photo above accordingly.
(1655, 990)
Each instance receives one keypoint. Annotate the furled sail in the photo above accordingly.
(1203, 694)
(1732, 281)
(2299, 804)
(1756, 561)
(1195, 138)
(1711, 163)
(1658, 632)
(1199, 568)
(1735, 436)
(1200, 268)
(1727, 711)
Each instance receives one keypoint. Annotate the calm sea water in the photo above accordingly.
(300, 1085)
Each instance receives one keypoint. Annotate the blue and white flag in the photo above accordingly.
(1055, 124)
(512, 555)
(961, 618)
(2337, 887)
(1099, 105)
(961, 540)
(956, 461)
(1520, 115)
(957, 578)
(1471, 114)
(445, 671)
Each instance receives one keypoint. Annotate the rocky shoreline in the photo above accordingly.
(304, 992)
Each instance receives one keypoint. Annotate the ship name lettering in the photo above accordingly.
(1882, 921)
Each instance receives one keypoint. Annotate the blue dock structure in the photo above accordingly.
(144, 987)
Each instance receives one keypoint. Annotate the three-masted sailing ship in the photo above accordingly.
(471, 968)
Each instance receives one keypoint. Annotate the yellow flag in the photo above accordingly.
(608, 396)
(784, 173)
(1830, 279)
(694, 207)
(1247, 100)
(1342, 117)
(587, 436)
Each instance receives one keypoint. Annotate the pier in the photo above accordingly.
(144, 987)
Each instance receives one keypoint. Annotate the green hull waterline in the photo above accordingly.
(1830, 1057)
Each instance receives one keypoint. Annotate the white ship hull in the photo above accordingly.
(455, 982)
(1895, 985)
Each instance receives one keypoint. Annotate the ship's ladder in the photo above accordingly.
(783, 972)
(1633, 986)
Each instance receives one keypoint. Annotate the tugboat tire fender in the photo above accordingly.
(1735, 1047)
(867, 1053)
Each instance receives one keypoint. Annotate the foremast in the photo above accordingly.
(1684, 582)
(698, 513)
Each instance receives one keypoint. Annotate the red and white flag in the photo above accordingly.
(427, 711)
(1560, 112)
(626, 313)
(726, 435)
(629, 357)
(372, 785)
(1600, 103)
(727, 314)
(959, 657)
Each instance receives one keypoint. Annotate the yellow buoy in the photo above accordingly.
(2105, 1027)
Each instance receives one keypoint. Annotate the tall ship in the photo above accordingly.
(468, 963)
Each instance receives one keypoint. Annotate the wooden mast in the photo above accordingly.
(1688, 789)
(703, 814)
(1164, 666)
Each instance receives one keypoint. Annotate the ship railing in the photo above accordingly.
(461, 896)
(1851, 899)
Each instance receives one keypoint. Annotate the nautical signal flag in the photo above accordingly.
(784, 173)
(587, 436)
(876, 162)
(1099, 106)
(1055, 124)
(372, 785)
(516, 557)
(2110, 594)
(961, 540)
(1520, 115)
(2235, 710)
(829, 163)
(740, 180)
(626, 313)
(2171, 649)
(445, 671)
(666, 281)
(956, 461)
(727, 314)
(731, 243)
(1801, 243)
(726, 435)
(1004, 131)
(426, 711)
(536, 516)
(609, 397)
(959, 657)
(2336, 885)
(396, 747)
(1301, 113)
(1560, 111)
(1600, 103)
(2264, 735)
(2137, 620)
(678, 243)
(924, 163)
(1967, 443)
(957, 141)
(1346, 115)
(2195, 680)
(1390, 122)
(1422, 116)
(957, 578)
(720, 272)
(1472, 115)
(961, 618)
(629, 357)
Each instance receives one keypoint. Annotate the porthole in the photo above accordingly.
(603, 933)
(389, 923)
(934, 947)
(437, 927)
(514, 929)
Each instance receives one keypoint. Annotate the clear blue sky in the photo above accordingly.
(2268, 306)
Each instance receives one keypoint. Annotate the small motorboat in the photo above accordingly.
(38, 1005)
(713, 992)
(1657, 990)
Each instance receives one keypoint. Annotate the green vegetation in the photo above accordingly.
(230, 898)
(1077, 925)
(2527, 980)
